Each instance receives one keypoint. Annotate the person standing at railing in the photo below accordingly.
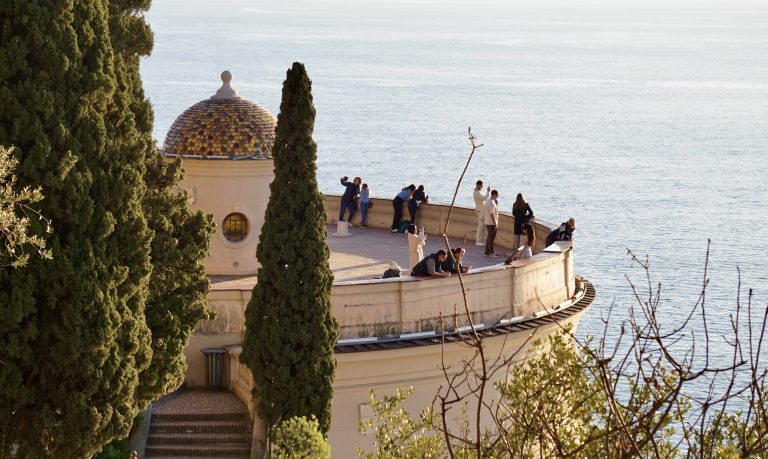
(403, 196)
(480, 197)
(491, 222)
(418, 197)
(348, 198)
(522, 213)
(365, 203)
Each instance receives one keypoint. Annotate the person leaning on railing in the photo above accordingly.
(431, 265)
(452, 263)
(522, 212)
(564, 232)
(403, 196)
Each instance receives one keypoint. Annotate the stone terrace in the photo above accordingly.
(366, 253)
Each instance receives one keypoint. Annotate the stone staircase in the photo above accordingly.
(199, 424)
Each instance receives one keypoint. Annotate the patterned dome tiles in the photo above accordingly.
(222, 128)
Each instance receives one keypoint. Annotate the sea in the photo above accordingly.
(645, 121)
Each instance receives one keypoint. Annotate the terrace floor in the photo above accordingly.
(366, 253)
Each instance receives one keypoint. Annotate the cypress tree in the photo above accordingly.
(290, 330)
(73, 327)
(75, 330)
(178, 283)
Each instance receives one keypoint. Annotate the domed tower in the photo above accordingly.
(225, 143)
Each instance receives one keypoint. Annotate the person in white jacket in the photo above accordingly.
(491, 222)
(480, 197)
(416, 243)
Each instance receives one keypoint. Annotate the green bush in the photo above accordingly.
(299, 438)
(117, 449)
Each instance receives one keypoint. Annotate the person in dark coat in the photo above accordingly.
(431, 265)
(452, 263)
(522, 213)
(413, 204)
(564, 232)
(348, 198)
(403, 196)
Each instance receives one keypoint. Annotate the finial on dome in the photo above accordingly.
(226, 91)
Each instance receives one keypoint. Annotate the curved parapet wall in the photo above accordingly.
(408, 305)
(381, 310)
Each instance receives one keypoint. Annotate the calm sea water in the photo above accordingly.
(647, 124)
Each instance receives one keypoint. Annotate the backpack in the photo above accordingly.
(391, 273)
(403, 226)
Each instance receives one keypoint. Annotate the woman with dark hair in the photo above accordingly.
(522, 213)
(530, 241)
(413, 204)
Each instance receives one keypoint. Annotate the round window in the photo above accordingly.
(235, 227)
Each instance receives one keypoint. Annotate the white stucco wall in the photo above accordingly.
(224, 186)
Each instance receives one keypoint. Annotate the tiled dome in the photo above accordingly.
(224, 126)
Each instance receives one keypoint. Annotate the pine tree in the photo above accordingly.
(178, 284)
(290, 329)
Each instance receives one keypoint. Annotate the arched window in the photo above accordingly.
(235, 227)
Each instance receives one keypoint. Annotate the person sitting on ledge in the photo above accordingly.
(564, 232)
(452, 263)
(431, 265)
(530, 241)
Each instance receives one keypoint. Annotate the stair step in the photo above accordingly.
(199, 426)
(234, 416)
(196, 438)
(198, 451)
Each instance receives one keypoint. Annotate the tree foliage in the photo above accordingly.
(290, 330)
(396, 434)
(15, 215)
(654, 392)
(299, 438)
(75, 336)
(178, 283)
